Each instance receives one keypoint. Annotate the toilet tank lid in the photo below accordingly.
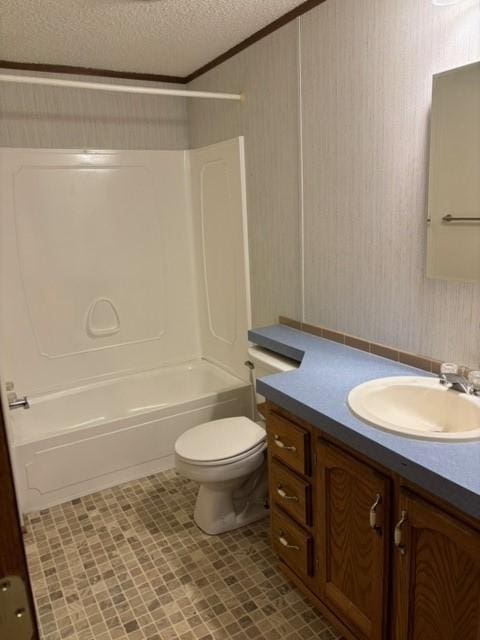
(270, 361)
(219, 439)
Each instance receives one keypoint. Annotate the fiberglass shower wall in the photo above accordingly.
(96, 265)
(120, 261)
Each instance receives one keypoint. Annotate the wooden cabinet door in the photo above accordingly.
(353, 501)
(437, 574)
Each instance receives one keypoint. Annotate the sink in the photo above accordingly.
(417, 407)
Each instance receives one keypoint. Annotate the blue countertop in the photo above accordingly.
(317, 392)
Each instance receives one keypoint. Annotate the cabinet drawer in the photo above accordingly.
(289, 443)
(291, 493)
(292, 544)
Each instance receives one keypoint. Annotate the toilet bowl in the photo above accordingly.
(227, 458)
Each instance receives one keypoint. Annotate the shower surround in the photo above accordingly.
(125, 305)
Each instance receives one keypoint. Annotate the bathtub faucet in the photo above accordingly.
(19, 402)
(14, 402)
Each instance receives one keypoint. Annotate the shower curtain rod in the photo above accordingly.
(99, 86)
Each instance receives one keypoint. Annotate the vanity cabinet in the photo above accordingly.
(377, 556)
(437, 574)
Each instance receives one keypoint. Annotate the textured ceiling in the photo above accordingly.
(172, 37)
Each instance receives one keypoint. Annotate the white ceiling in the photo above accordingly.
(172, 37)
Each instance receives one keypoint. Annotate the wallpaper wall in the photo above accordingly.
(268, 74)
(336, 126)
(35, 116)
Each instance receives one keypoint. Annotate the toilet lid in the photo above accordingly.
(219, 439)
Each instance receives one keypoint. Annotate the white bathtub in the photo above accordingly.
(80, 440)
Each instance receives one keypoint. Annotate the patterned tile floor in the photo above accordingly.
(129, 564)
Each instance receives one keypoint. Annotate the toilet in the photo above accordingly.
(227, 457)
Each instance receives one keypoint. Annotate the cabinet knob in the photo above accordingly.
(285, 543)
(282, 493)
(373, 514)
(282, 445)
(398, 533)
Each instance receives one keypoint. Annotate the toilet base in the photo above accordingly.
(232, 505)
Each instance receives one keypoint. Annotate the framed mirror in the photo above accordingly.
(453, 236)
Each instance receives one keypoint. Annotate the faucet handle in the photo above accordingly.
(448, 367)
(474, 379)
(464, 370)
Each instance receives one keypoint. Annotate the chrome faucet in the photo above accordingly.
(467, 383)
(14, 402)
(456, 382)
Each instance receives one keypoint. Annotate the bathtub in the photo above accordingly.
(77, 441)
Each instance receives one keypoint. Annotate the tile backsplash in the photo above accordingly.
(411, 359)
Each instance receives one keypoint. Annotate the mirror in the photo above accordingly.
(453, 236)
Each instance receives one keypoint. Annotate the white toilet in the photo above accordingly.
(228, 458)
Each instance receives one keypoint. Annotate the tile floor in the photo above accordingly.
(129, 564)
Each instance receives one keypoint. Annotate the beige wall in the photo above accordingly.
(363, 108)
(267, 73)
(34, 116)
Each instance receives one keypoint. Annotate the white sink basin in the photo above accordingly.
(418, 407)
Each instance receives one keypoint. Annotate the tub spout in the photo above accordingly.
(16, 403)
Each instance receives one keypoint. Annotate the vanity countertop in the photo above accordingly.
(317, 392)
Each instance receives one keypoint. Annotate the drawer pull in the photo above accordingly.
(282, 445)
(284, 542)
(398, 533)
(281, 492)
(373, 514)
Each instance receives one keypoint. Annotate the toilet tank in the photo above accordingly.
(266, 363)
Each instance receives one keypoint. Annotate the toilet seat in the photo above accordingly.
(221, 442)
